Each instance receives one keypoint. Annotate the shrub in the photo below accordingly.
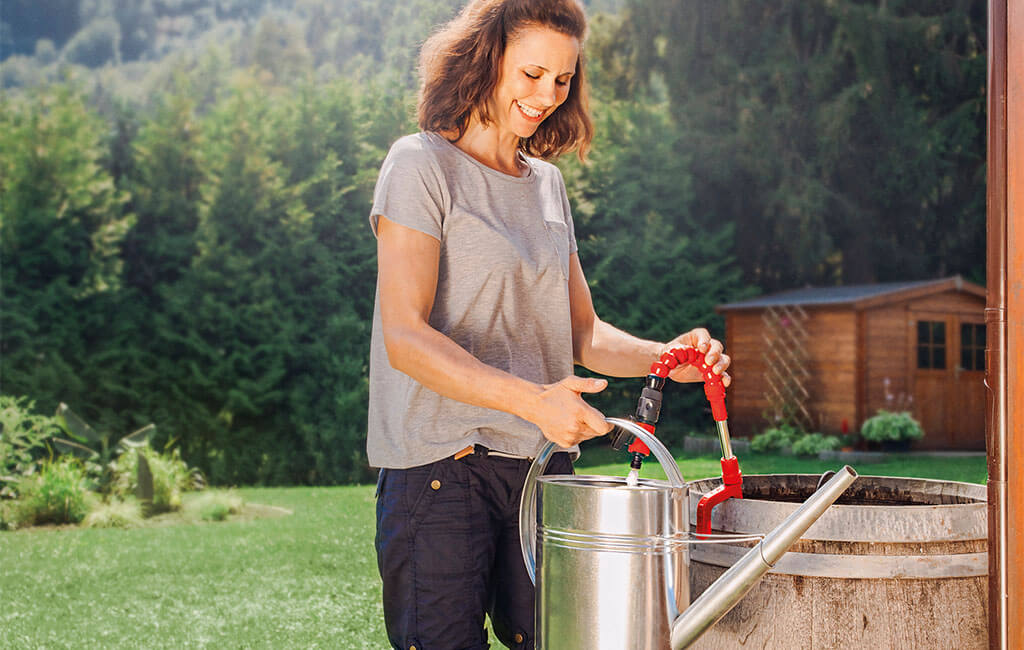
(811, 444)
(59, 494)
(22, 436)
(171, 477)
(116, 514)
(775, 439)
(887, 426)
(97, 448)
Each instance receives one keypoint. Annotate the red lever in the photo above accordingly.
(732, 478)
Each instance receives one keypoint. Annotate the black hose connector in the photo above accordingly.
(648, 407)
(637, 462)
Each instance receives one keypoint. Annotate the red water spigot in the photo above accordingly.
(732, 478)
(714, 390)
(731, 488)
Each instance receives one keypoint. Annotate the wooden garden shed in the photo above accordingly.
(832, 357)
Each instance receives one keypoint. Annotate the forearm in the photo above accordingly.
(440, 364)
(610, 351)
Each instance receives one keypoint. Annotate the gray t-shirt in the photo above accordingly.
(502, 294)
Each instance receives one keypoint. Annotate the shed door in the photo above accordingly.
(948, 359)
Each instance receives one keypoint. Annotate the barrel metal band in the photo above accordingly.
(820, 565)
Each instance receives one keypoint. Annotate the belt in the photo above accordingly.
(480, 450)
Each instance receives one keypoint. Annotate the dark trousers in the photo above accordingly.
(448, 552)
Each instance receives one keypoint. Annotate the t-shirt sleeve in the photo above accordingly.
(410, 190)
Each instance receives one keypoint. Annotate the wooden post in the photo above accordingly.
(1005, 322)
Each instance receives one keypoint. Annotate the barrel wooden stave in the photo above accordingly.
(810, 611)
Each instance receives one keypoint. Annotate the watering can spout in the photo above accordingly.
(724, 593)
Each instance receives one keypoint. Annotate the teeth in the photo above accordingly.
(532, 112)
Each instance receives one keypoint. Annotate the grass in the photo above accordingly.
(308, 580)
(971, 469)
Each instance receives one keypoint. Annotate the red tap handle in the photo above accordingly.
(714, 387)
(714, 390)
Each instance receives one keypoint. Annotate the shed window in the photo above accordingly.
(931, 344)
(972, 346)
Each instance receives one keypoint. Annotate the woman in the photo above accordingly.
(482, 309)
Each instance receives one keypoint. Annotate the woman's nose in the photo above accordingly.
(547, 94)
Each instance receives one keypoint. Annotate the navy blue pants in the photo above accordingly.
(448, 552)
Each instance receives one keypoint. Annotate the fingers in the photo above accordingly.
(595, 422)
(564, 416)
(713, 353)
(584, 385)
(700, 338)
(723, 362)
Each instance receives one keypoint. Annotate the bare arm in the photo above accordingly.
(407, 262)
(605, 349)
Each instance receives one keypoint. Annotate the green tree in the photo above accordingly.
(60, 229)
(655, 267)
(845, 138)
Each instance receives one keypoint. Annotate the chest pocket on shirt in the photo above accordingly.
(558, 232)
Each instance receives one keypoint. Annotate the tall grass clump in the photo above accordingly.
(115, 514)
(215, 505)
(60, 493)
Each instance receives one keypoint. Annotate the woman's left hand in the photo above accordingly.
(714, 355)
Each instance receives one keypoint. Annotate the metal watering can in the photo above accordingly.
(611, 564)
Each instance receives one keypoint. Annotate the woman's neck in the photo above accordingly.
(497, 150)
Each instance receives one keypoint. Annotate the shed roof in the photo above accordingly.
(858, 295)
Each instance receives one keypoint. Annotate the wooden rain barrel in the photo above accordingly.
(896, 563)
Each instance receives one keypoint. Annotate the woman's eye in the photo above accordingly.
(561, 83)
(532, 76)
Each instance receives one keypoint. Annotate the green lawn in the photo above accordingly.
(308, 580)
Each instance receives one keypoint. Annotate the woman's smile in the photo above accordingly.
(530, 113)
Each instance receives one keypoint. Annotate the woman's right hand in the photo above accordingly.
(563, 416)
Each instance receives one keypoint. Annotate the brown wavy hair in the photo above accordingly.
(460, 65)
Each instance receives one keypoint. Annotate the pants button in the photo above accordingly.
(436, 484)
(518, 637)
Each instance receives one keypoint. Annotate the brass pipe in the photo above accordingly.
(723, 438)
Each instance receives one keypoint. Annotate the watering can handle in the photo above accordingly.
(528, 502)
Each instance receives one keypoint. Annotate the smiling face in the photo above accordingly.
(536, 73)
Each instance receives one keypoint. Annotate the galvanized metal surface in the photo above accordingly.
(820, 565)
(958, 512)
(611, 562)
(528, 500)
